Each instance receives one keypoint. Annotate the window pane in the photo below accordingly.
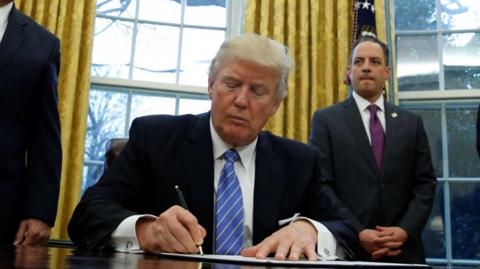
(117, 8)
(206, 13)
(156, 53)
(434, 233)
(415, 15)
(432, 121)
(465, 218)
(460, 14)
(112, 48)
(160, 10)
(461, 59)
(106, 119)
(194, 106)
(144, 104)
(199, 48)
(91, 174)
(462, 154)
(417, 63)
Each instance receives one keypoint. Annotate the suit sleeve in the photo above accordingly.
(44, 150)
(423, 192)
(320, 138)
(325, 211)
(112, 199)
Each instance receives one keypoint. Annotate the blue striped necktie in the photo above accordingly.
(229, 216)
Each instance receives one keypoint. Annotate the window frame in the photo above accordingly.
(446, 97)
(234, 27)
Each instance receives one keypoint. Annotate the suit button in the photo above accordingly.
(382, 186)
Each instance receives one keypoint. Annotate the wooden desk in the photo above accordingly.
(61, 257)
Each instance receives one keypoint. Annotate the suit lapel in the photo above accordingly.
(13, 37)
(267, 192)
(356, 125)
(198, 157)
(391, 123)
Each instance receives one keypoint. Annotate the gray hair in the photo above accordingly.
(257, 49)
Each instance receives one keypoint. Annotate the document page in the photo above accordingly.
(301, 262)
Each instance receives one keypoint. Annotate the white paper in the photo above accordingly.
(301, 262)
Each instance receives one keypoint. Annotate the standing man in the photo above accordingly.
(376, 162)
(30, 145)
(269, 180)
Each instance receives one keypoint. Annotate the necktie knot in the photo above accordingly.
(373, 109)
(232, 155)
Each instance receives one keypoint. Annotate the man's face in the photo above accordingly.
(367, 70)
(243, 98)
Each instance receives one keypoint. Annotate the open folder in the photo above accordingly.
(300, 263)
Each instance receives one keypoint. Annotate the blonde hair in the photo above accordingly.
(257, 49)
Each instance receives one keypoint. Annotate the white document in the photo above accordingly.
(301, 262)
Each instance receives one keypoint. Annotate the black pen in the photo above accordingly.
(184, 205)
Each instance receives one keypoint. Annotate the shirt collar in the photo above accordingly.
(4, 11)
(362, 103)
(220, 147)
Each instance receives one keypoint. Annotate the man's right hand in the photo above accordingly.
(367, 241)
(176, 231)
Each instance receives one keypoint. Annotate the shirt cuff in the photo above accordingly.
(328, 247)
(124, 237)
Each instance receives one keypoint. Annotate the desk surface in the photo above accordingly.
(58, 257)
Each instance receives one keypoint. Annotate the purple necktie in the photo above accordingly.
(377, 135)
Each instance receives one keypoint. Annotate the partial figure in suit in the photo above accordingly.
(134, 204)
(30, 143)
(478, 131)
(377, 166)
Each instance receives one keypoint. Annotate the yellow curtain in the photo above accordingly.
(318, 35)
(72, 21)
(382, 35)
(393, 49)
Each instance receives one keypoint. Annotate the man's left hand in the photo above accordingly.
(300, 237)
(32, 232)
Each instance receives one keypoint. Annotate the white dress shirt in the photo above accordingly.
(4, 12)
(124, 236)
(362, 105)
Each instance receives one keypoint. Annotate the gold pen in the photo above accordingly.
(184, 205)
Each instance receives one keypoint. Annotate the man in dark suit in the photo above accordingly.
(278, 177)
(30, 144)
(377, 166)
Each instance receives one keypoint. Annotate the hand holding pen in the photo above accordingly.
(175, 231)
(184, 205)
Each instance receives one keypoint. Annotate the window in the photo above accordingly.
(150, 57)
(438, 72)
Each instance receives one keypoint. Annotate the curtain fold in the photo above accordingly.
(73, 22)
(318, 35)
(381, 23)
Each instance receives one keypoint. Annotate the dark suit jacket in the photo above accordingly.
(29, 122)
(478, 131)
(401, 194)
(164, 151)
